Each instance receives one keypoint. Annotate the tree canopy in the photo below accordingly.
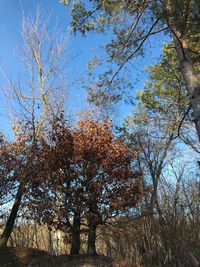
(132, 23)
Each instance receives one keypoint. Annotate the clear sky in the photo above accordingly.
(11, 13)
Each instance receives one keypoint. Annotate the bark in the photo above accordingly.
(191, 80)
(93, 221)
(186, 63)
(75, 242)
(12, 217)
(91, 250)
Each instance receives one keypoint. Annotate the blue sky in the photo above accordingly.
(11, 12)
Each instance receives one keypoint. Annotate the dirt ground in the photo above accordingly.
(28, 257)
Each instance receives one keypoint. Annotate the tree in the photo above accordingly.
(5, 182)
(38, 97)
(155, 123)
(91, 175)
(8, 167)
(13, 173)
(160, 118)
(108, 169)
(136, 21)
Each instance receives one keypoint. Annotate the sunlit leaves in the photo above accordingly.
(82, 164)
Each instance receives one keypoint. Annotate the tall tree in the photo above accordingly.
(16, 168)
(93, 175)
(157, 117)
(136, 21)
(38, 97)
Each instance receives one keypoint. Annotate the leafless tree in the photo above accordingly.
(38, 96)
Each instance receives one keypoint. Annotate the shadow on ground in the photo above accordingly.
(28, 257)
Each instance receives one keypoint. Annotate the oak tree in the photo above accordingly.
(90, 176)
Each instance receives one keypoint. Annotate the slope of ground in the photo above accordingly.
(28, 257)
(22, 257)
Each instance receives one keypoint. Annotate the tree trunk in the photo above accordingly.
(92, 225)
(75, 242)
(186, 64)
(91, 250)
(191, 80)
(12, 217)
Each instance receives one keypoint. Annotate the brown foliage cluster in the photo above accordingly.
(78, 166)
(12, 158)
(71, 178)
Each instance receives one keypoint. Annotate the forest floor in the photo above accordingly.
(29, 257)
